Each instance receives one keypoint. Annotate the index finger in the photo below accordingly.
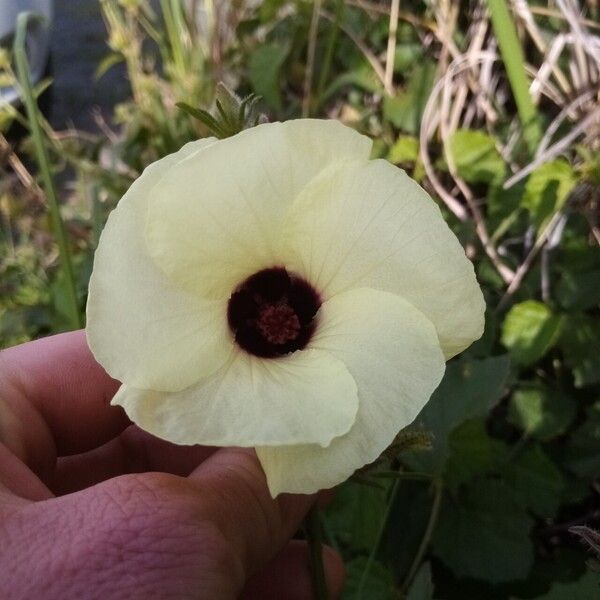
(55, 398)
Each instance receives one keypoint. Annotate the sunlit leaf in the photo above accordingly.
(475, 155)
(530, 330)
(547, 189)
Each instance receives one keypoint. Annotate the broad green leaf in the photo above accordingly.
(547, 189)
(580, 343)
(529, 331)
(586, 588)
(404, 533)
(265, 70)
(579, 290)
(473, 452)
(536, 480)
(356, 512)
(405, 149)
(468, 390)
(405, 109)
(582, 452)
(543, 413)
(422, 586)
(475, 155)
(483, 533)
(378, 585)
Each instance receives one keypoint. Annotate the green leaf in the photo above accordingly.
(537, 481)
(547, 189)
(582, 452)
(529, 331)
(475, 155)
(484, 534)
(472, 453)
(403, 534)
(268, 9)
(355, 514)
(422, 586)
(404, 150)
(501, 203)
(543, 413)
(363, 78)
(579, 290)
(405, 109)
(265, 71)
(379, 584)
(586, 588)
(468, 390)
(109, 61)
(580, 343)
(204, 117)
(406, 56)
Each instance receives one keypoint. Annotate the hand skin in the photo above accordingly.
(93, 507)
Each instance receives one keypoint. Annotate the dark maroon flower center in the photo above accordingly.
(272, 313)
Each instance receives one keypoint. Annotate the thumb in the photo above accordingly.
(154, 534)
(235, 494)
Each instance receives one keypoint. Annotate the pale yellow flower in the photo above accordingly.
(280, 290)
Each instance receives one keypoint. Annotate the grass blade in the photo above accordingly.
(41, 152)
(514, 63)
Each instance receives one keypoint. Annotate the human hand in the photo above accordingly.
(93, 507)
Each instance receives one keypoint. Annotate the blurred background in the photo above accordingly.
(494, 107)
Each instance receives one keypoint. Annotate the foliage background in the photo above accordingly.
(504, 132)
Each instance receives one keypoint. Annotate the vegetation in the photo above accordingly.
(494, 109)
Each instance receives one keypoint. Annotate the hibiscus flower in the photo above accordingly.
(279, 290)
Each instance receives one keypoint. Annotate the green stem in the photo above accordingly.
(380, 532)
(429, 529)
(172, 16)
(43, 161)
(514, 62)
(315, 554)
(334, 31)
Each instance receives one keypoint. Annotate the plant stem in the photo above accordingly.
(514, 62)
(43, 161)
(315, 554)
(334, 31)
(310, 59)
(427, 535)
(172, 16)
(380, 531)
(391, 45)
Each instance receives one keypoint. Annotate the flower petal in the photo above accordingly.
(141, 328)
(393, 353)
(369, 225)
(303, 397)
(216, 219)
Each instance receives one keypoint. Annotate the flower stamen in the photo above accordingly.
(278, 323)
(272, 313)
